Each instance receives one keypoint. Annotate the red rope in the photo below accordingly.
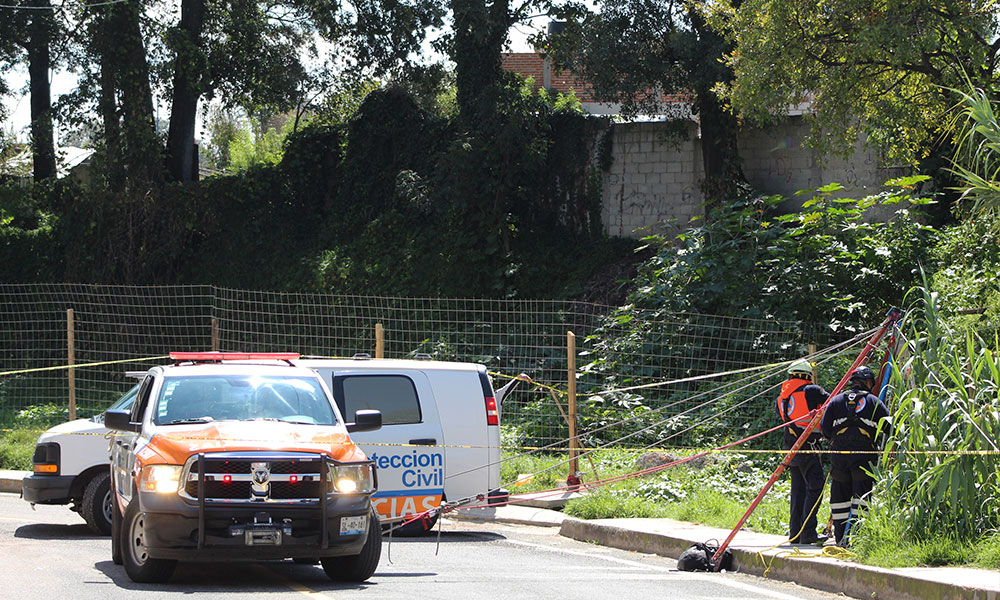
(894, 315)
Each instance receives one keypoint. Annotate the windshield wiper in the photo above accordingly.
(188, 421)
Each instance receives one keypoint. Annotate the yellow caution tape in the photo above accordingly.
(686, 451)
(83, 365)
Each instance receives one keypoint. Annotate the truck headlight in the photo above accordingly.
(162, 479)
(352, 479)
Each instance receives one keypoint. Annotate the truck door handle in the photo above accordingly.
(424, 442)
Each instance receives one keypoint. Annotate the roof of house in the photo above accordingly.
(535, 66)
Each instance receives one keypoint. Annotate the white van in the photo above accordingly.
(440, 435)
(70, 466)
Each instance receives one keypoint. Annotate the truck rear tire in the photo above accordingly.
(96, 505)
(361, 566)
(135, 557)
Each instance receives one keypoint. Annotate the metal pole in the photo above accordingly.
(894, 315)
(379, 341)
(574, 443)
(215, 334)
(71, 360)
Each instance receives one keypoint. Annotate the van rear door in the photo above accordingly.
(406, 451)
(472, 435)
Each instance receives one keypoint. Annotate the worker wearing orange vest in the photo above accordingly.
(799, 396)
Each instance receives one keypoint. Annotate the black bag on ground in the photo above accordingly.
(699, 558)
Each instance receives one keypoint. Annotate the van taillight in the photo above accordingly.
(492, 418)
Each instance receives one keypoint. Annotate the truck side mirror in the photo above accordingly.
(121, 420)
(365, 420)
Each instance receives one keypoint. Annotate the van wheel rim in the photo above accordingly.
(137, 547)
(106, 506)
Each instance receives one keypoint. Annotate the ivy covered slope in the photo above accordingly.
(398, 199)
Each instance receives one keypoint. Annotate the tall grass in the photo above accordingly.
(938, 481)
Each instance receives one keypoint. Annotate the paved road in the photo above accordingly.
(50, 554)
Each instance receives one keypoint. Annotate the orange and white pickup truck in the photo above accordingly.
(229, 456)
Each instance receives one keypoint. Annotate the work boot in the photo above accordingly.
(816, 538)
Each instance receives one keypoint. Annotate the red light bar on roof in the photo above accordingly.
(203, 356)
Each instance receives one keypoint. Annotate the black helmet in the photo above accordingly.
(862, 374)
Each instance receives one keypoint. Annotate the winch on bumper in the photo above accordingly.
(257, 506)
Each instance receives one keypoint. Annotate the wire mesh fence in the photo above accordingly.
(624, 363)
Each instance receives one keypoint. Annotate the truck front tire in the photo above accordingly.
(135, 557)
(361, 566)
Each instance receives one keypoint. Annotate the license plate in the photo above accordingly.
(353, 525)
(263, 536)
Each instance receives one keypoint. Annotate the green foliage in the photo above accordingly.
(714, 493)
(607, 504)
(17, 446)
(546, 471)
(257, 143)
(41, 416)
(977, 158)
(869, 67)
(755, 263)
(223, 127)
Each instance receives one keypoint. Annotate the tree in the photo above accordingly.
(633, 52)
(126, 98)
(188, 84)
(867, 67)
(27, 32)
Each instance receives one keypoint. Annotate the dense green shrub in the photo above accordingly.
(967, 274)
(28, 248)
(939, 476)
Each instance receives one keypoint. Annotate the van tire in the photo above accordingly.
(361, 566)
(116, 530)
(138, 565)
(96, 505)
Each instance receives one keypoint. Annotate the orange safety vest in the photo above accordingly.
(792, 403)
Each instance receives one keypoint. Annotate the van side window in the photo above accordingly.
(394, 395)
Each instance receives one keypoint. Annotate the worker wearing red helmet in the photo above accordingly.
(799, 396)
(852, 421)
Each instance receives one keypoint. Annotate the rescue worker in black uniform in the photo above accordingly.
(851, 422)
(799, 396)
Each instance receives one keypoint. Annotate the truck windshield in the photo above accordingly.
(203, 399)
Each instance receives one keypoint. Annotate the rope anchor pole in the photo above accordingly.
(893, 316)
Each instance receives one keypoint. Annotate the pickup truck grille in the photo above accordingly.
(248, 477)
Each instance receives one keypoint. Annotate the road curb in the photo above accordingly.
(826, 574)
(515, 515)
(10, 481)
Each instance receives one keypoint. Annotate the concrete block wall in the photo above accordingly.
(775, 161)
(653, 184)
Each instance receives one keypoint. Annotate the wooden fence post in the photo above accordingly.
(70, 360)
(812, 354)
(379, 341)
(574, 444)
